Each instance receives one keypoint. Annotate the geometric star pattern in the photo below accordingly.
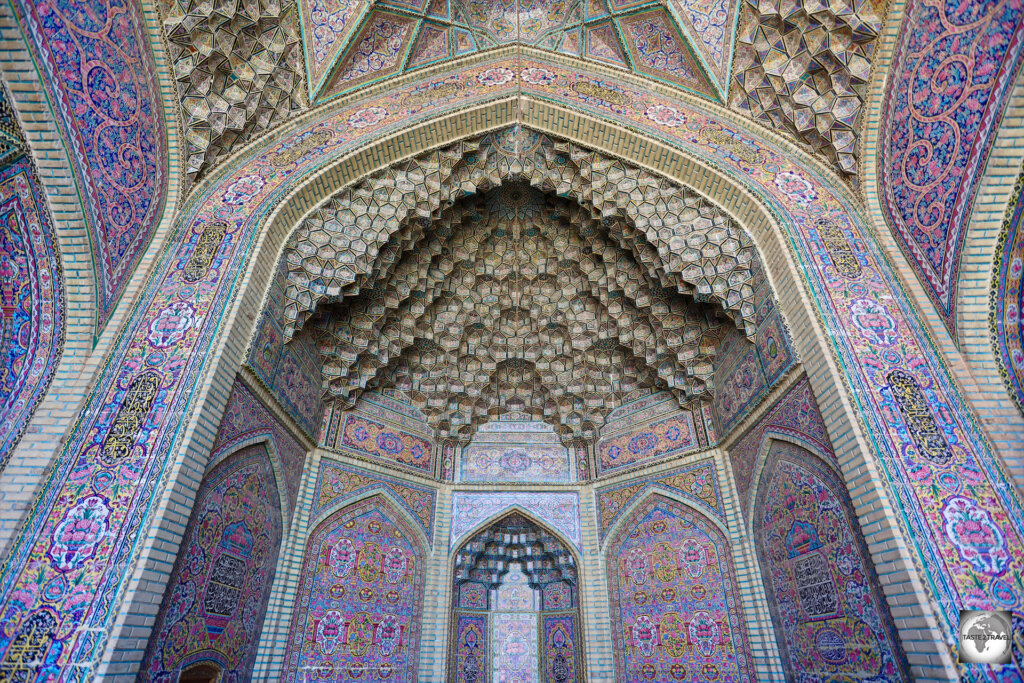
(804, 68)
(514, 274)
(686, 43)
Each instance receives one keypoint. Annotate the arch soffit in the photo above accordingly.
(760, 217)
(581, 569)
(770, 436)
(71, 234)
(756, 215)
(983, 238)
(377, 489)
(627, 515)
(42, 442)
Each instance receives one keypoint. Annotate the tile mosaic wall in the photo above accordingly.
(899, 386)
(31, 285)
(291, 371)
(360, 598)
(512, 452)
(245, 418)
(948, 84)
(644, 441)
(470, 645)
(828, 609)
(382, 428)
(559, 510)
(746, 371)
(337, 482)
(97, 68)
(794, 415)
(381, 441)
(676, 613)
(697, 481)
(561, 658)
(217, 594)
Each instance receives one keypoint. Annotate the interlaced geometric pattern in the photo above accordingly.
(239, 72)
(486, 558)
(349, 43)
(803, 67)
(512, 300)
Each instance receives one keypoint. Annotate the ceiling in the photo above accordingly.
(518, 302)
(350, 43)
(516, 274)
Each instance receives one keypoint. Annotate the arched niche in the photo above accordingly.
(212, 613)
(827, 607)
(711, 149)
(515, 610)
(675, 606)
(359, 601)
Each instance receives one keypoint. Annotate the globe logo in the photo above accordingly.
(985, 637)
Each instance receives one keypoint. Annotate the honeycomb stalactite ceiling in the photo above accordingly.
(513, 299)
(803, 67)
(488, 556)
(349, 43)
(514, 302)
(238, 67)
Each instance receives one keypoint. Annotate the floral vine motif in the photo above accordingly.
(137, 402)
(76, 536)
(925, 431)
(582, 462)
(206, 248)
(838, 248)
(98, 66)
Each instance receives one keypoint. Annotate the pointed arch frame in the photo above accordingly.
(860, 438)
(577, 556)
(290, 597)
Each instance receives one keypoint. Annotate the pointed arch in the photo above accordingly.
(655, 489)
(771, 435)
(572, 544)
(772, 195)
(547, 626)
(674, 598)
(377, 490)
(359, 599)
(268, 442)
(823, 593)
(220, 587)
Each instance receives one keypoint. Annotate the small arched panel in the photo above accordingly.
(360, 598)
(213, 610)
(829, 613)
(675, 607)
